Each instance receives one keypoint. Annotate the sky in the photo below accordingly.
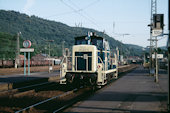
(124, 20)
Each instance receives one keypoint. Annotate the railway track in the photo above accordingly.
(121, 73)
(47, 100)
(43, 97)
(32, 86)
(20, 90)
(50, 104)
(16, 101)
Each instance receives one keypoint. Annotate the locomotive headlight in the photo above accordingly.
(85, 56)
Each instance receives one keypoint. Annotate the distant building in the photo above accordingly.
(40, 60)
(21, 57)
(39, 57)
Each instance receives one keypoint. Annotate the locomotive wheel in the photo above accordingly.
(76, 83)
(108, 77)
(69, 78)
(92, 81)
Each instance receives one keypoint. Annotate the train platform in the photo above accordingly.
(135, 92)
(8, 81)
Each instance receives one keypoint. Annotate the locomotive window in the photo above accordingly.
(98, 42)
(82, 53)
(93, 41)
(81, 60)
(79, 42)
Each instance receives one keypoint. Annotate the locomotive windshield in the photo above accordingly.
(81, 41)
(92, 40)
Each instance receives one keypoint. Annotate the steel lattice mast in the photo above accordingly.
(153, 11)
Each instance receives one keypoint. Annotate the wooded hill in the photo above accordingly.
(39, 30)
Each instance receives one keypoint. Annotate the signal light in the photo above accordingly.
(158, 21)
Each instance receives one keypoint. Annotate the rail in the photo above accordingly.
(49, 99)
(44, 101)
(15, 90)
(74, 101)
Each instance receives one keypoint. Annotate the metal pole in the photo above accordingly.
(150, 58)
(28, 63)
(168, 71)
(153, 11)
(156, 60)
(63, 48)
(17, 51)
(168, 59)
(24, 63)
(144, 60)
(49, 54)
(49, 58)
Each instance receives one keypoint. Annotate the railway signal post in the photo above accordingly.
(157, 30)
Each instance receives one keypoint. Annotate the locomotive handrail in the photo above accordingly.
(61, 65)
(62, 60)
(103, 67)
(75, 63)
(101, 62)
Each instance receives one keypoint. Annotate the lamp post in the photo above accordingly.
(49, 54)
(17, 51)
(121, 58)
(63, 52)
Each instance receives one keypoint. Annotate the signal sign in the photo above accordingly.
(157, 32)
(27, 44)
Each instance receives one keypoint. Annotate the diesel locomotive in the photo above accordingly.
(91, 62)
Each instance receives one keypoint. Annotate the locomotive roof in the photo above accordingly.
(83, 37)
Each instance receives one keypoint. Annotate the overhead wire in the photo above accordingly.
(69, 12)
(162, 38)
(91, 4)
(82, 10)
(64, 13)
(72, 8)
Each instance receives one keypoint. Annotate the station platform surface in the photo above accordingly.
(135, 92)
(7, 80)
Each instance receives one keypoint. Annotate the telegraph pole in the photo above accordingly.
(49, 54)
(49, 58)
(63, 48)
(17, 51)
